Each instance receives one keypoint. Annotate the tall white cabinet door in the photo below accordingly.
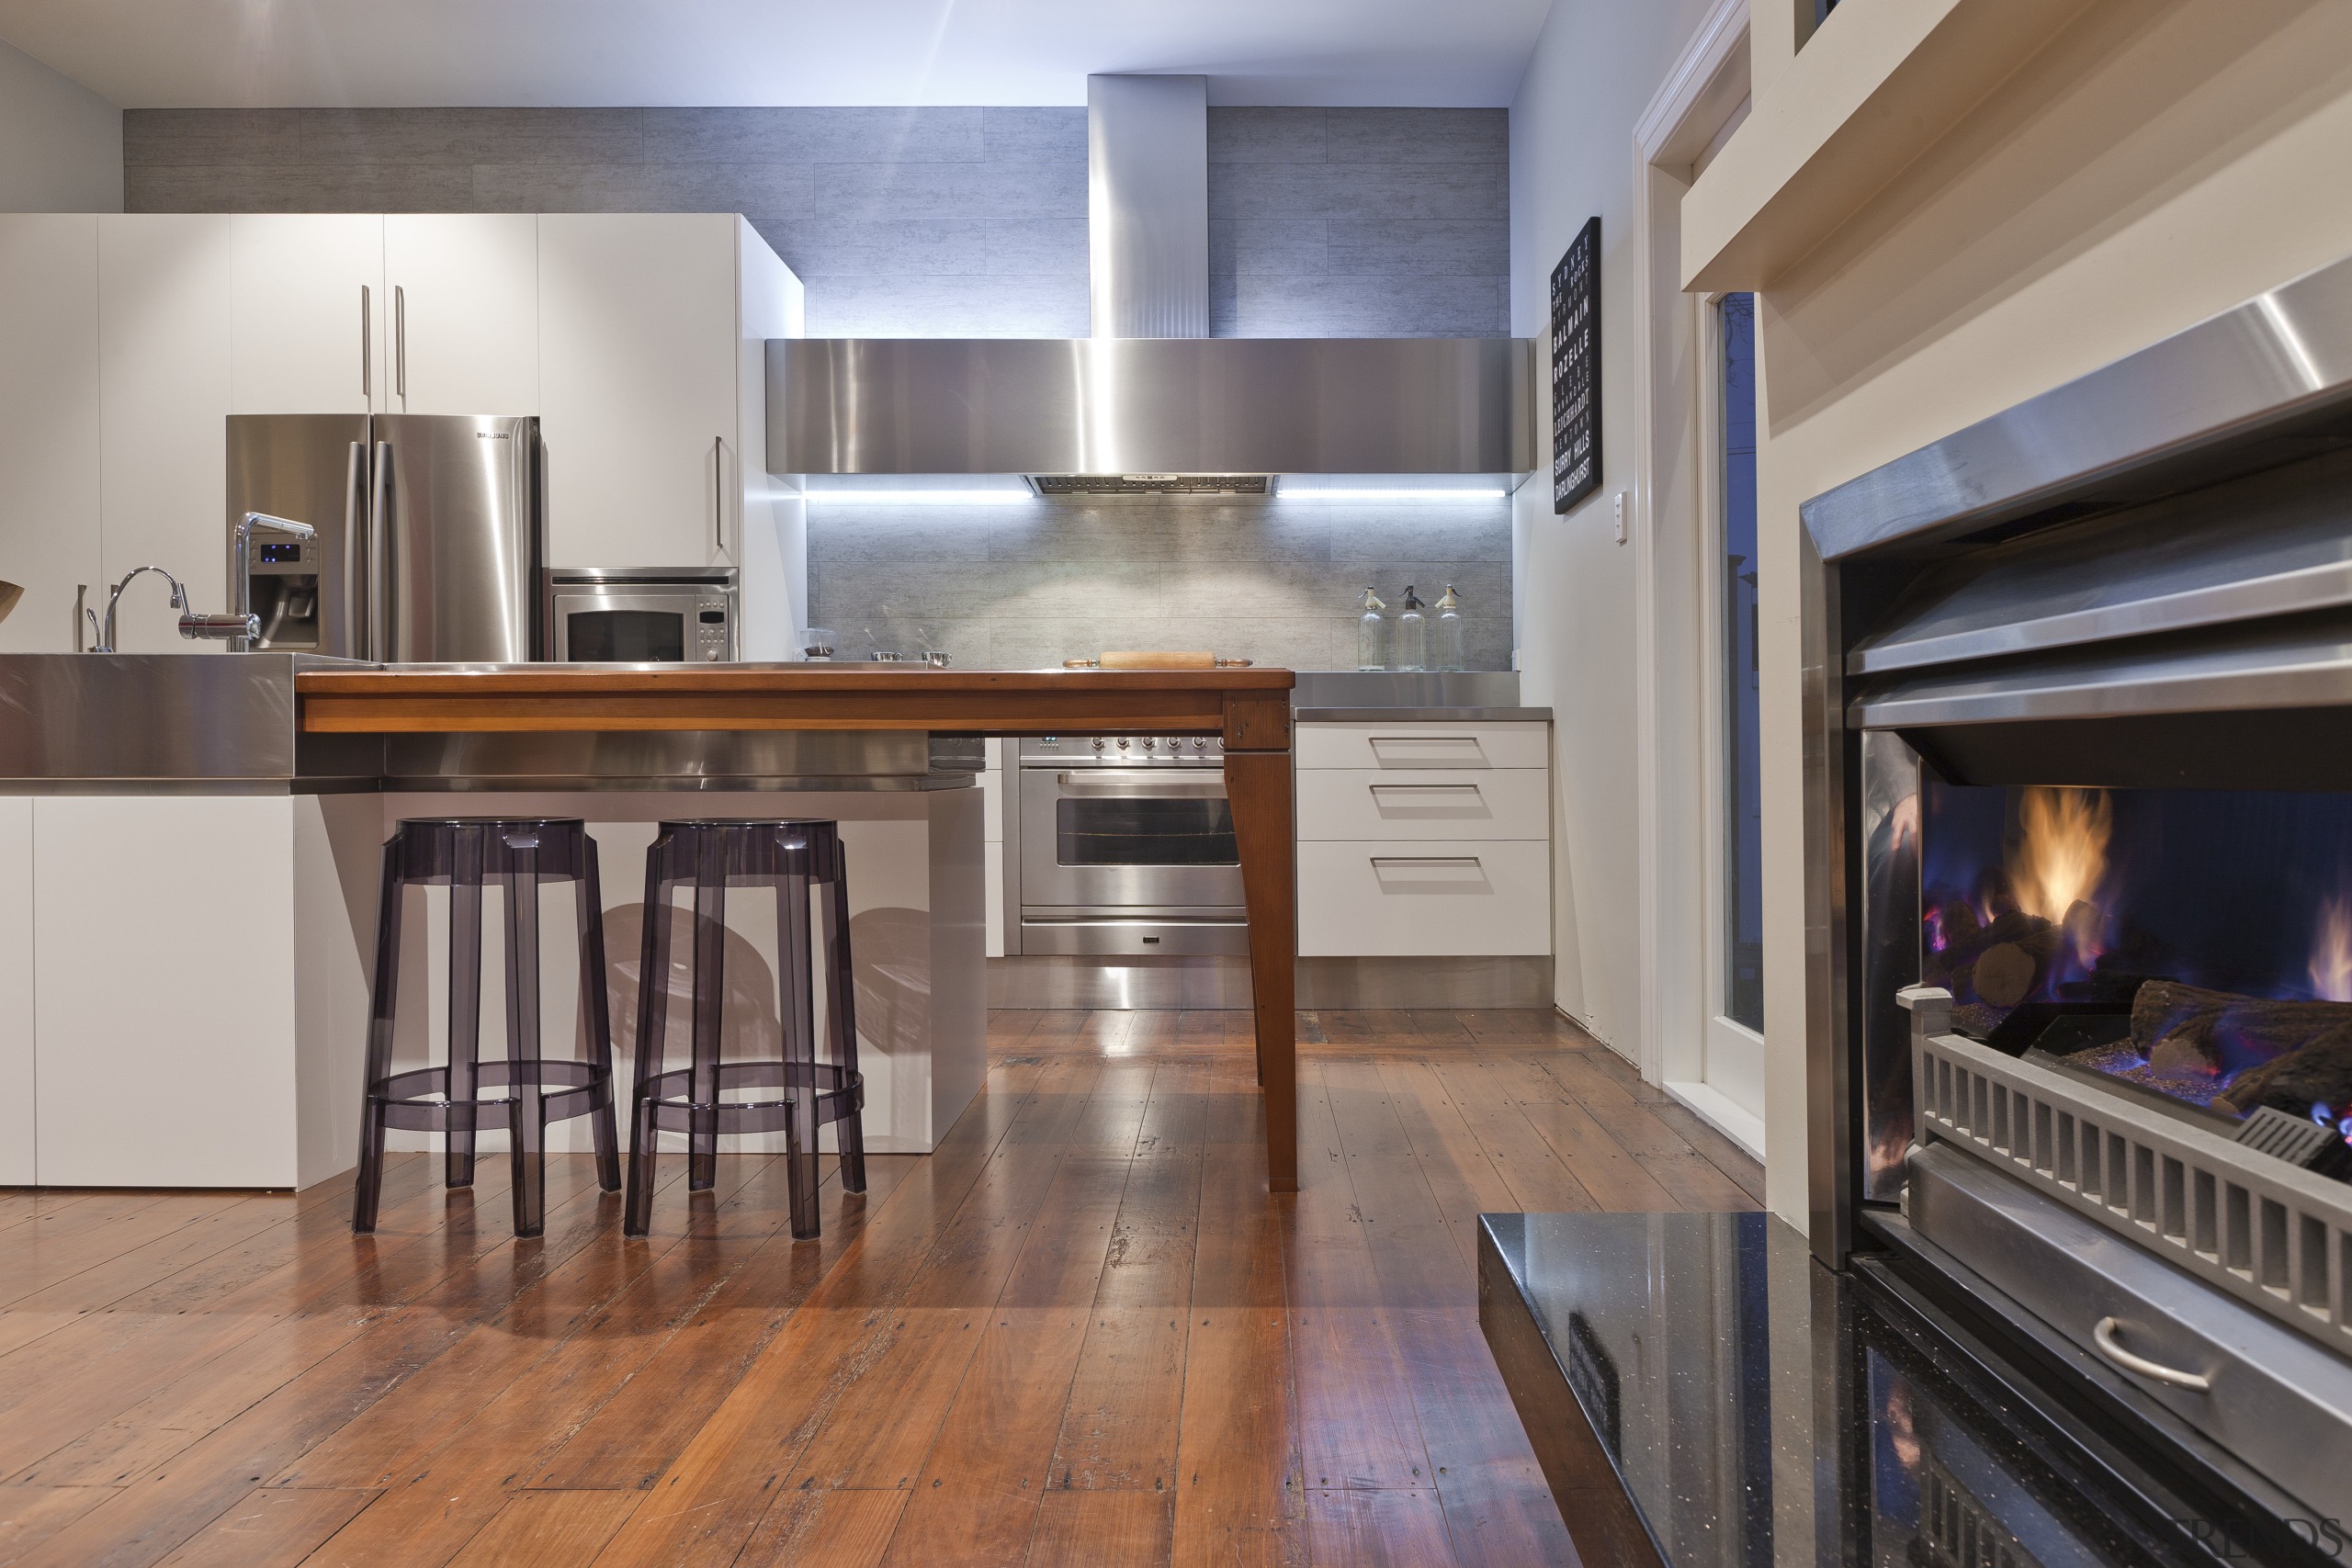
(769, 531)
(166, 1033)
(18, 1067)
(463, 291)
(163, 397)
(49, 424)
(636, 386)
(309, 315)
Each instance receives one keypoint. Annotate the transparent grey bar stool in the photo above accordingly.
(461, 853)
(711, 857)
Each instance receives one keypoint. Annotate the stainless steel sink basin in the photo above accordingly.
(90, 717)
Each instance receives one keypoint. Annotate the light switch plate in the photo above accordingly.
(1619, 499)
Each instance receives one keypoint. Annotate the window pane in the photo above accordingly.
(1743, 891)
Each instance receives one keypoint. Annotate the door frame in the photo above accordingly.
(1703, 99)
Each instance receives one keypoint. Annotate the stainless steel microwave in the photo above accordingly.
(640, 615)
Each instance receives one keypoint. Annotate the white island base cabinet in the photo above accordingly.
(193, 964)
(186, 977)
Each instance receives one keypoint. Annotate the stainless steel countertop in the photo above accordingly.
(1422, 716)
(200, 724)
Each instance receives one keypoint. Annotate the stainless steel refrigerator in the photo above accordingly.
(431, 533)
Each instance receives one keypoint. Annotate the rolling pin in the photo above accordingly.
(1159, 661)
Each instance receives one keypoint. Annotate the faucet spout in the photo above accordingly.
(106, 634)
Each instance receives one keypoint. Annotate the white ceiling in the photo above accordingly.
(370, 54)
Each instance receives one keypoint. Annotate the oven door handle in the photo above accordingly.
(1144, 789)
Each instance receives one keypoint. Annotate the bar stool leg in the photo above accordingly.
(525, 1045)
(369, 1187)
(653, 1024)
(796, 1043)
(465, 998)
(596, 998)
(841, 1024)
(710, 996)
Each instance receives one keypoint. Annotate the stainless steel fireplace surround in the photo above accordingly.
(2138, 581)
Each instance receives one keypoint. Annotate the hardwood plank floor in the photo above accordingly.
(1080, 1332)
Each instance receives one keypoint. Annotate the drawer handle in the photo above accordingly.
(1440, 789)
(1426, 859)
(2104, 1338)
(1424, 740)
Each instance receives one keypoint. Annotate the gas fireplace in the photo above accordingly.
(2191, 946)
(2079, 883)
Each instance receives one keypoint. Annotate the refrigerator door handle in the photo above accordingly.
(400, 345)
(380, 525)
(355, 532)
(366, 390)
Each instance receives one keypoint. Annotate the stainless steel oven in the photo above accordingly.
(1124, 845)
(640, 615)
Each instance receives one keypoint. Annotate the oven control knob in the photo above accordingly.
(1098, 743)
(1200, 744)
(1148, 743)
(711, 654)
(1123, 743)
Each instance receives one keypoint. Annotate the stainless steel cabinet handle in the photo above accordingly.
(400, 342)
(1212, 787)
(366, 346)
(2104, 1338)
(1426, 788)
(380, 525)
(356, 533)
(1424, 740)
(718, 492)
(1426, 859)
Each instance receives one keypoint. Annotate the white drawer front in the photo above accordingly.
(1375, 803)
(1421, 746)
(1438, 898)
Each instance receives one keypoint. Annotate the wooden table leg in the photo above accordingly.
(1258, 787)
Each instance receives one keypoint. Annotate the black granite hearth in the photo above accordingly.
(1703, 1394)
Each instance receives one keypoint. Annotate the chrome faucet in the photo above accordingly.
(243, 625)
(104, 635)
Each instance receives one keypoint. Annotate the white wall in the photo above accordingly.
(1595, 69)
(60, 145)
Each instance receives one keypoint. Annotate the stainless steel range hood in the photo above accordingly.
(1118, 405)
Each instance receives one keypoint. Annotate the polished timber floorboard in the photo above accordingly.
(1080, 1333)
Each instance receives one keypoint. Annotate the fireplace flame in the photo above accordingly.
(2331, 960)
(2061, 853)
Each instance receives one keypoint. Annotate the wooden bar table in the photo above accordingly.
(1248, 710)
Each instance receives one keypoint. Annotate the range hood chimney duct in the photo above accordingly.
(1148, 205)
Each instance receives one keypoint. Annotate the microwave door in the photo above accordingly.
(457, 520)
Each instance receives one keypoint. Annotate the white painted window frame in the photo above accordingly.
(1686, 1045)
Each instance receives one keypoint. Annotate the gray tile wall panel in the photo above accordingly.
(1359, 222)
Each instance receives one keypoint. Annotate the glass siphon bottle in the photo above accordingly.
(1412, 641)
(1372, 635)
(1452, 642)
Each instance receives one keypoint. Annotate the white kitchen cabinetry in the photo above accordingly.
(193, 982)
(166, 287)
(462, 313)
(18, 1070)
(308, 321)
(49, 424)
(638, 387)
(1422, 839)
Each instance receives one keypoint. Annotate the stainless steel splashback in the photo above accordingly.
(1151, 405)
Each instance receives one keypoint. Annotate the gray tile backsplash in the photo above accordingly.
(1027, 586)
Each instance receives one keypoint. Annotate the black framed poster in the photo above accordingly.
(1575, 370)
